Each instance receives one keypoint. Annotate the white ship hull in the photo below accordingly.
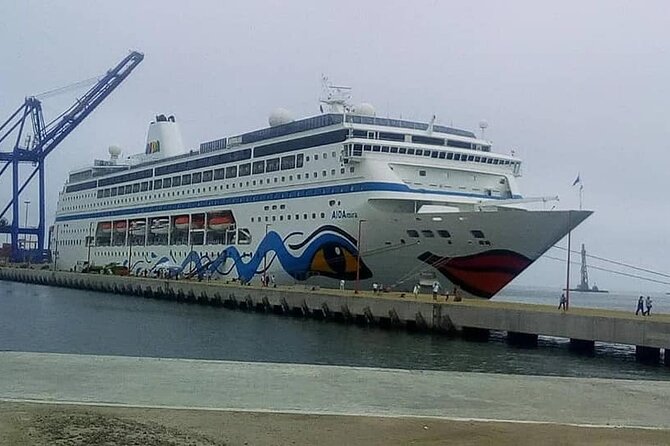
(424, 213)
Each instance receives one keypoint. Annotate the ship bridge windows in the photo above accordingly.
(272, 165)
(258, 167)
(231, 172)
(288, 162)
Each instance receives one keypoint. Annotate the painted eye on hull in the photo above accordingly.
(337, 262)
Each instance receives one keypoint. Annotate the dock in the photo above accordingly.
(472, 318)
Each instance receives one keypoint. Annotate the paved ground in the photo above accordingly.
(333, 390)
(25, 424)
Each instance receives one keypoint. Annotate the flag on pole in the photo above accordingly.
(577, 181)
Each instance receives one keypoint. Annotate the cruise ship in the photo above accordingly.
(340, 196)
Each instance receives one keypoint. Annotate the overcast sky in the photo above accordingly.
(572, 87)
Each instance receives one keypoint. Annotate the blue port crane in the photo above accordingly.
(33, 150)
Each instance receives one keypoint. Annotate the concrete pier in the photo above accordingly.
(473, 318)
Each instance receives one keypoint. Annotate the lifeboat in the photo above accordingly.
(181, 222)
(120, 227)
(105, 228)
(138, 228)
(221, 222)
(160, 225)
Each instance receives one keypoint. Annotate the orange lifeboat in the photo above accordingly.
(120, 226)
(181, 222)
(221, 222)
(105, 228)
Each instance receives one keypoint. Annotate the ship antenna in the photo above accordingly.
(334, 98)
(483, 125)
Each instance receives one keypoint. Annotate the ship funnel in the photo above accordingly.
(164, 138)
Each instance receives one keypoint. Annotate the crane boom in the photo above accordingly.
(45, 139)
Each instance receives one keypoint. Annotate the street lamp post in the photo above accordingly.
(25, 237)
(358, 257)
(265, 263)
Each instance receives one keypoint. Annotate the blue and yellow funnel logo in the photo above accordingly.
(153, 147)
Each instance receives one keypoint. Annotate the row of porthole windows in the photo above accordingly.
(289, 217)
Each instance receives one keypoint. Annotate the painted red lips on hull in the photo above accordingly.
(482, 274)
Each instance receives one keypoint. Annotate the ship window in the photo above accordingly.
(477, 159)
(413, 233)
(144, 186)
(376, 148)
(167, 182)
(196, 178)
(245, 169)
(113, 192)
(457, 156)
(442, 155)
(307, 158)
(410, 151)
(443, 233)
(450, 156)
(299, 160)
(259, 167)
(185, 179)
(121, 191)
(231, 171)
(288, 162)
(427, 233)
(100, 193)
(422, 173)
(367, 148)
(324, 173)
(385, 149)
(158, 184)
(476, 233)
(136, 188)
(129, 189)
(325, 155)
(272, 165)
(427, 153)
(218, 174)
(207, 176)
(418, 152)
(435, 154)
(470, 158)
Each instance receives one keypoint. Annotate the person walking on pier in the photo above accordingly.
(436, 289)
(563, 302)
(341, 285)
(640, 306)
(648, 304)
(375, 287)
(415, 291)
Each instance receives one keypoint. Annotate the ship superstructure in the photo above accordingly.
(301, 200)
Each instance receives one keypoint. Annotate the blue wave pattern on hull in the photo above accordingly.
(329, 253)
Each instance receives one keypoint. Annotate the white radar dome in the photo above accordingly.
(114, 152)
(280, 116)
(365, 109)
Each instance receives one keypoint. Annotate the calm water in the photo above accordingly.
(46, 319)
